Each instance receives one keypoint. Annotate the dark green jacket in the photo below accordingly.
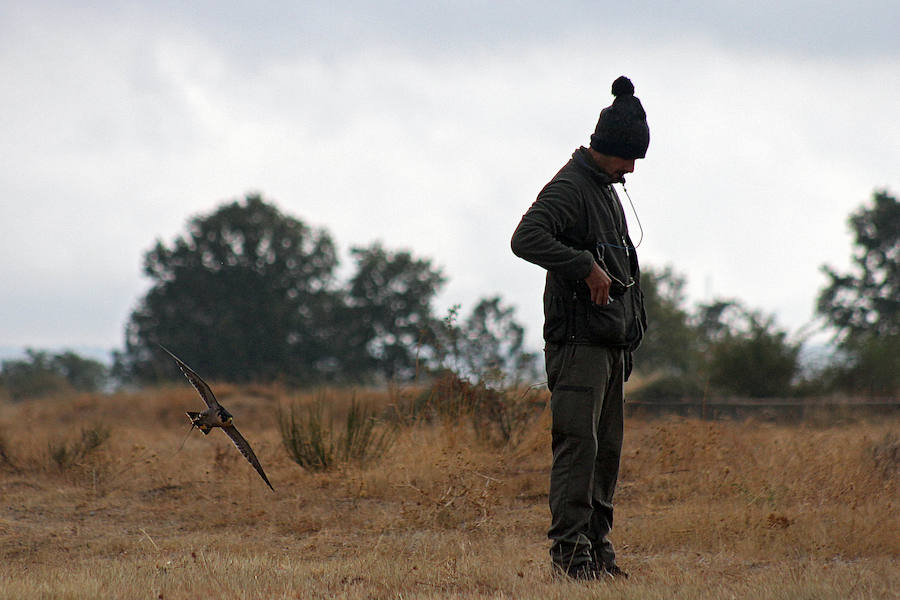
(576, 220)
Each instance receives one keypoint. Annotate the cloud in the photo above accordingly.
(421, 129)
(800, 28)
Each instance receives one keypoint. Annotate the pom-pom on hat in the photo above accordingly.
(622, 127)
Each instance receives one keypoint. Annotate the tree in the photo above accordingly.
(83, 374)
(863, 306)
(487, 347)
(42, 373)
(389, 300)
(241, 296)
(669, 345)
(493, 348)
(744, 352)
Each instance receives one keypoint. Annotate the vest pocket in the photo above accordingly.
(605, 324)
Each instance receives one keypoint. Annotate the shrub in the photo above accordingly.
(65, 454)
(886, 455)
(496, 415)
(6, 460)
(668, 388)
(312, 442)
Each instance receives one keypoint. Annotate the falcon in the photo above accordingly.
(215, 415)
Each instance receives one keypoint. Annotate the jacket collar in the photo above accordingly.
(583, 159)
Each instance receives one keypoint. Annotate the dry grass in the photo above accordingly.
(705, 509)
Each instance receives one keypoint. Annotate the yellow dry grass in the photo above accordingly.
(704, 509)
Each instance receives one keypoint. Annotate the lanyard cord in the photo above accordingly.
(641, 227)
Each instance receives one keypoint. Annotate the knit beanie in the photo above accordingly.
(622, 128)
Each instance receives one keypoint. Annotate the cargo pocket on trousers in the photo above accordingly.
(572, 407)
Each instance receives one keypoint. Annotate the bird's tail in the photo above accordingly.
(194, 417)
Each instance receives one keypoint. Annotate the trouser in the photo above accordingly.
(587, 404)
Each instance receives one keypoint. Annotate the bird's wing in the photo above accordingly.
(195, 380)
(247, 451)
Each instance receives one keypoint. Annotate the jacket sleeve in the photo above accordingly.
(537, 238)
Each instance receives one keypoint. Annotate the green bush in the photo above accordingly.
(313, 443)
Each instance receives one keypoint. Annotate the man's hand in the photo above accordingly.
(598, 282)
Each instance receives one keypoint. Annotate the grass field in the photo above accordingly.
(704, 509)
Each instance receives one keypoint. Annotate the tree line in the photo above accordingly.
(250, 294)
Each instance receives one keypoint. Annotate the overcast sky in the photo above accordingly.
(432, 126)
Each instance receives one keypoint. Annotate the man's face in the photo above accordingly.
(613, 166)
(618, 167)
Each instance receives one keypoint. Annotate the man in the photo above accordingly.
(593, 320)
